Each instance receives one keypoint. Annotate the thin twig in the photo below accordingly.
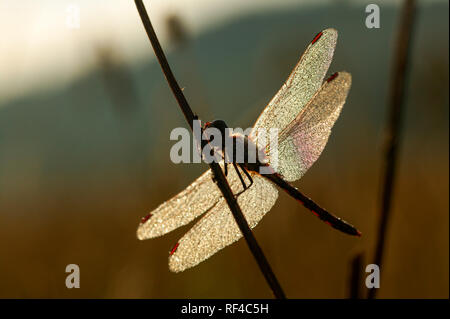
(219, 177)
(393, 130)
(356, 275)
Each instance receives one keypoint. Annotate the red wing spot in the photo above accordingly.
(317, 37)
(358, 233)
(328, 223)
(174, 249)
(331, 78)
(145, 218)
(315, 213)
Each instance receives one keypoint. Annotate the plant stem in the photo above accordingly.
(393, 130)
(219, 177)
(356, 275)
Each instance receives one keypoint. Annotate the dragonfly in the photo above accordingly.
(304, 110)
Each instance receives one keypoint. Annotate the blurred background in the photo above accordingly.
(85, 118)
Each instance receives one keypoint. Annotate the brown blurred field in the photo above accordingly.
(97, 231)
(52, 216)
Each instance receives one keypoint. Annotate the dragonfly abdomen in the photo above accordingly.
(321, 213)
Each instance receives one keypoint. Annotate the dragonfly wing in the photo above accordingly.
(218, 229)
(195, 200)
(303, 82)
(303, 140)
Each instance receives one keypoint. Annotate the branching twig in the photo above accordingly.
(397, 91)
(220, 179)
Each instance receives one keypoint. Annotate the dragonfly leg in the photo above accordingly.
(225, 169)
(246, 174)
(240, 177)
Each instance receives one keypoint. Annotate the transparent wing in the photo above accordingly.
(303, 82)
(218, 229)
(303, 140)
(195, 200)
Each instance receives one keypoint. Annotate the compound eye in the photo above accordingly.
(207, 124)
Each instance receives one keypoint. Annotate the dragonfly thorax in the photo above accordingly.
(237, 147)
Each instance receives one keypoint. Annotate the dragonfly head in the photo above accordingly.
(218, 124)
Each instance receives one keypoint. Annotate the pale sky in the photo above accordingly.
(38, 48)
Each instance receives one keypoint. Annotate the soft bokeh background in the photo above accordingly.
(85, 117)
